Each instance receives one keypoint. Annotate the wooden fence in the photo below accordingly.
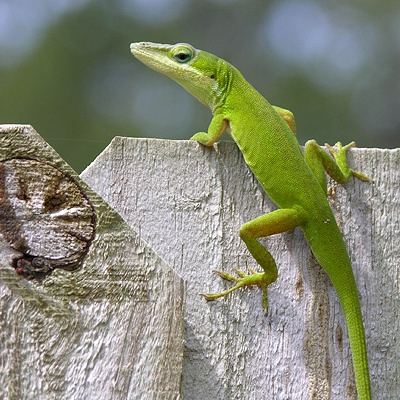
(100, 276)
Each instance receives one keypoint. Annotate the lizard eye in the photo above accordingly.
(182, 54)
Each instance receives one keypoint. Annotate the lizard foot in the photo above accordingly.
(339, 153)
(242, 280)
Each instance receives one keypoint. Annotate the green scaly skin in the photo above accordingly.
(296, 182)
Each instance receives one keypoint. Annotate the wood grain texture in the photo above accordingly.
(111, 329)
(188, 203)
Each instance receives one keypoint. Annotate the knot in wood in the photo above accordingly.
(45, 216)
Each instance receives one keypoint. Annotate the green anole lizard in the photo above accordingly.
(296, 182)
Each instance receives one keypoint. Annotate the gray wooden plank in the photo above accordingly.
(112, 327)
(188, 203)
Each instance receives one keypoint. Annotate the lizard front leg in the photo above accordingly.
(216, 128)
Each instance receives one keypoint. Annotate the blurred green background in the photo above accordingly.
(66, 67)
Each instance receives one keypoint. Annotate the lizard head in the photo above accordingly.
(202, 74)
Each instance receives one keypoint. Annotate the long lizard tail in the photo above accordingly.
(349, 300)
(333, 257)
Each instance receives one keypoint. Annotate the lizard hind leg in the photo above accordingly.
(335, 163)
(278, 221)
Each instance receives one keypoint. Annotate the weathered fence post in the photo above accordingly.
(87, 309)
